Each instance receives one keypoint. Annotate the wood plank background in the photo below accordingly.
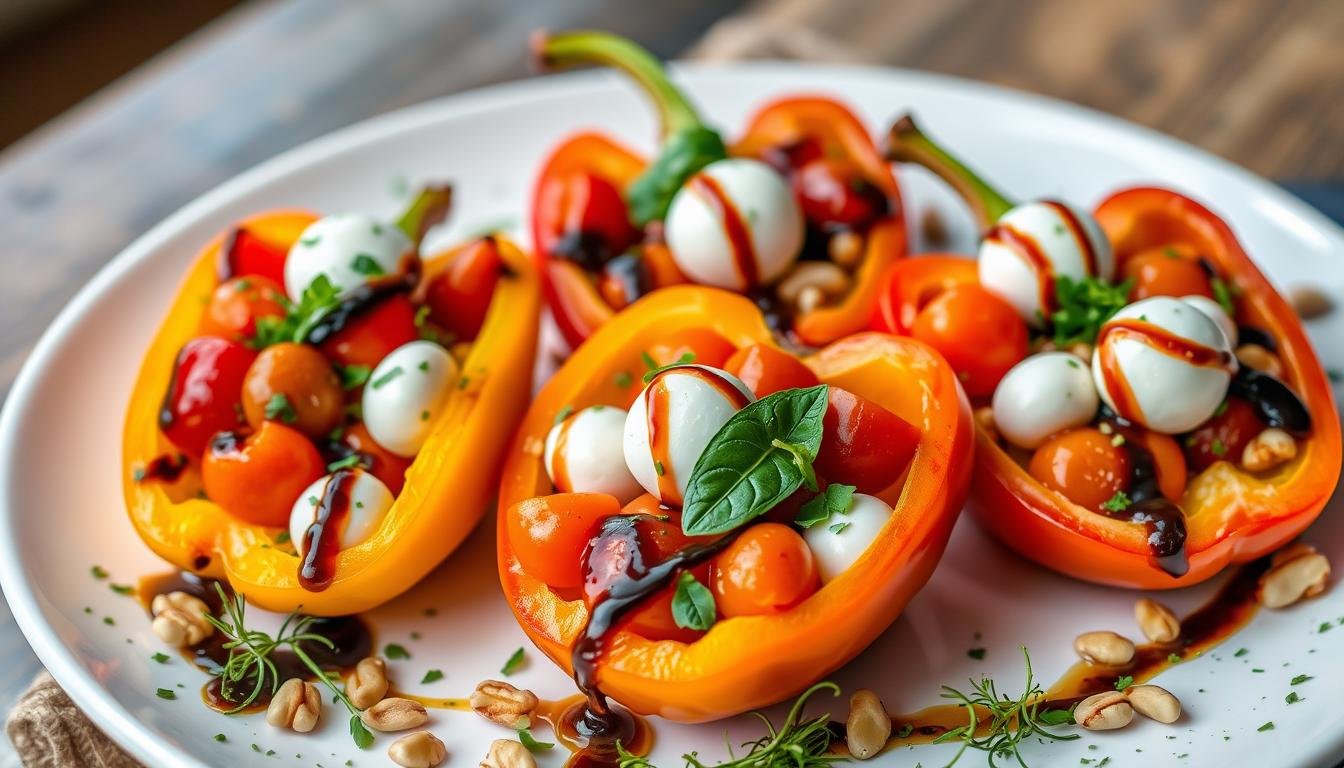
(1260, 82)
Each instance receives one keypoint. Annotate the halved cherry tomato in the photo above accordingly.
(582, 205)
(1084, 465)
(459, 296)
(912, 283)
(371, 335)
(549, 533)
(767, 569)
(834, 194)
(204, 392)
(237, 303)
(980, 334)
(1166, 271)
(244, 254)
(258, 478)
(382, 463)
(293, 384)
(862, 443)
(1224, 436)
(766, 369)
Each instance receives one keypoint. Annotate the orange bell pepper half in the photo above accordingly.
(747, 662)
(447, 488)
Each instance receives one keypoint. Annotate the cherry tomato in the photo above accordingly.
(244, 254)
(372, 334)
(549, 533)
(1084, 465)
(459, 296)
(912, 283)
(1166, 271)
(293, 384)
(834, 194)
(583, 205)
(382, 463)
(703, 348)
(767, 569)
(660, 539)
(1224, 436)
(788, 158)
(862, 443)
(980, 334)
(257, 479)
(237, 303)
(767, 370)
(204, 392)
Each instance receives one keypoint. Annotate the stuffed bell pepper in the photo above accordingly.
(1150, 408)
(320, 416)
(801, 214)
(696, 523)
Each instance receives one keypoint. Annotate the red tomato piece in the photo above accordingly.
(257, 479)
(243, 254)
(979, 334)
(582, 204)
(1224, 436)
(766, 369)
(205, 392)
(236, 305)
(371, 335)
(863, 444)
(834, 194)
(459, 296)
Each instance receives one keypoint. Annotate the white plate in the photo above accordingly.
(59, 443)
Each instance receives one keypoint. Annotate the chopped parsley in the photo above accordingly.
(563, 413)
(1292, 698)
(318, 299)
(391, 374)
(122, 589)
(514, 663)
(1218, 447)
(905, 730)
(1123, 682)
(1222, 293)
(432, 676)
(98, 572)
(838, 527)
(166, 693)
(836, 500)
(423, 366)
(976, 653)
(221, 737)
(279, 408)
(1269, 726)
(1300, 679)
(394, 651)
(349, 462)
(526, 738)
(353, 376)
(366, 265)
(654, 369)
(1084, 305)
(1117, 503)
(1241, 652)
(161, 657)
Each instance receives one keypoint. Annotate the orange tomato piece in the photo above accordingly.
(1084, 465)
(550, 533)
(767, 569)
(258, 478)
(766, 369)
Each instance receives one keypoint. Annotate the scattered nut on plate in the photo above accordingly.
(503, 703)
(179, 619)
(1105, 648)
(1295, 572)
(367, 683)
(296, 705)
(1157, 622)
(507, 753)
(395, 714)
(421, 749)
(1104, 711)
(868, 726)
(1154, 702)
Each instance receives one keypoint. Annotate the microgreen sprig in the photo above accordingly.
(250, 658)
(1010, 721)
(796, 743)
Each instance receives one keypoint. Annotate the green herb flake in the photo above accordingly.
(396, 652)
(310, 241)
(1269, 726)
(122, 589)
(349, 462)
(161, 657)
(1222, 293)
(529, 741)
(432, 676)
(166, 693)
(693, 604)
(976, 653)
(98, 572)
(1117, 503)
(904, 731)
(386, 377)
(278, 408)
(686, 359)
(659, 468)
(220, 737)
(364, 264)
(109, 621)
(1123, 682)
(1300, 679)
(1325, 627)
(1218, 447)
(1292, 698)
(353, 376)
(514, 663)
(838, 527)
(1241, 652)
(836, 500)
(1084, 305)
(624, 379)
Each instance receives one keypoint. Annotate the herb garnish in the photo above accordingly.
(526, 738)
(1269, 726)
(1117, 503)
(1123, 682)
(366, 265)
(1011, 721)
(166, 693)
(837, 500)
(318, 299)
(1222, 293)
(514, 663)
(250, 658)
(161, 657)
(795, 743)
(654, 368)
(279, 408)
(353, 376)
(386, 377)
(348, 462)
(98, 572)
(760, 456)
(395, 651)
(692, 604)
(432, 676)
(1300, 679)
(1084, 305)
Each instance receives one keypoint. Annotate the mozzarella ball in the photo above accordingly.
(584, 454)
(1217, 314)
(1170, 392)
(1046, 393)
(689, 404)
(843, 539)
(730, 196)
(404, 394)
(350, 249)
(369, 502)
(1035, 243)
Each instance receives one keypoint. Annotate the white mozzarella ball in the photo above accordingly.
(1163, 391)
(350, 249)
(837, 543)
(369, 502)
(1217, 314)
(689, 404)
(584, 454)
(1044, 394)
(1035, 243)
(404, 394)
(731, 195)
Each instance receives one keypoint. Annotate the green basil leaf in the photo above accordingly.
(683, 155)
(361, 735)
(760, 456)
(837, 500)
(693, 604)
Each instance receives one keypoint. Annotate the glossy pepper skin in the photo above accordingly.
(573, 298)
(748, 662)
(1232, 516)
(447, 487)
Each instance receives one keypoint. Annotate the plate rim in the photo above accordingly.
(111, 716)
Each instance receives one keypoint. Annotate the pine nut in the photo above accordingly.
(1296, 572)
(1309, 302)
(1259, 358)
(845, 248)
(367, 684)
(868, 726)
(418, 750)
(179, 619)
(1154, 703)
(822, 276)
(395, 714)
(1158, 623)
(1105, 648)
(507, 753)
(1104, 711)
(502, 703)
(1267, 450)
(296, 705)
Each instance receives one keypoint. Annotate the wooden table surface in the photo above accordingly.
(1259, 82)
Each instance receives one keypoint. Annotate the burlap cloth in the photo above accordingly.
(49, 731)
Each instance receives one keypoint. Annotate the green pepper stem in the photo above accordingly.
(564, 50)
(425, 211)
(906, 143)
